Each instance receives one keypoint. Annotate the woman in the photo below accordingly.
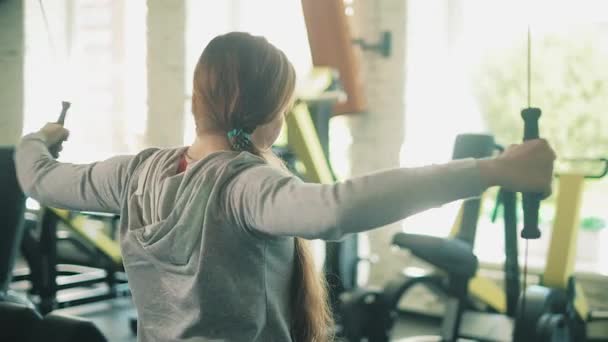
(213, 235)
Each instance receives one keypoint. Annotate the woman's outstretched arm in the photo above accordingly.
(269, 201)
(266, 200)
(93, 187)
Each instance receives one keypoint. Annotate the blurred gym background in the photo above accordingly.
(453, 66)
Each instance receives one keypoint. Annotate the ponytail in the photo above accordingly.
(312, 319)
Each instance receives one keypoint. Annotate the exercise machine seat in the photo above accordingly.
(62, 328)
(22, 323)
(18, 320)
(450, 255)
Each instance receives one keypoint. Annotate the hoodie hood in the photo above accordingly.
(167, 210)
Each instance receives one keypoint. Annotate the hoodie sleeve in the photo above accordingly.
(93, 187)
(266, 200)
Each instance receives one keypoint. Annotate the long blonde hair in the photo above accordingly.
(241, 82)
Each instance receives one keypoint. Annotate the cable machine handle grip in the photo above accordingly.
(531, 201)
(61, 120)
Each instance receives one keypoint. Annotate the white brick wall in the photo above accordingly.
(378, 134)
(11, 71)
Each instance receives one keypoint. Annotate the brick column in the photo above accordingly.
(11, 69)
(378, 134)
(166, 59)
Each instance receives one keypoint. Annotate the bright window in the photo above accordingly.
(92, 54)
(467, 73)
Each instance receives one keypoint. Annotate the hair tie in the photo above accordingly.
(240, 140)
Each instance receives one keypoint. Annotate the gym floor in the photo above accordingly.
(112, 318)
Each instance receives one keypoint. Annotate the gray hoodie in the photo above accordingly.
(209, 252)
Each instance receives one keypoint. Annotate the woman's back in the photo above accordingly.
(195, 273)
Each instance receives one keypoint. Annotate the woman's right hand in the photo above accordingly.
(526, 167)
(54, 133)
